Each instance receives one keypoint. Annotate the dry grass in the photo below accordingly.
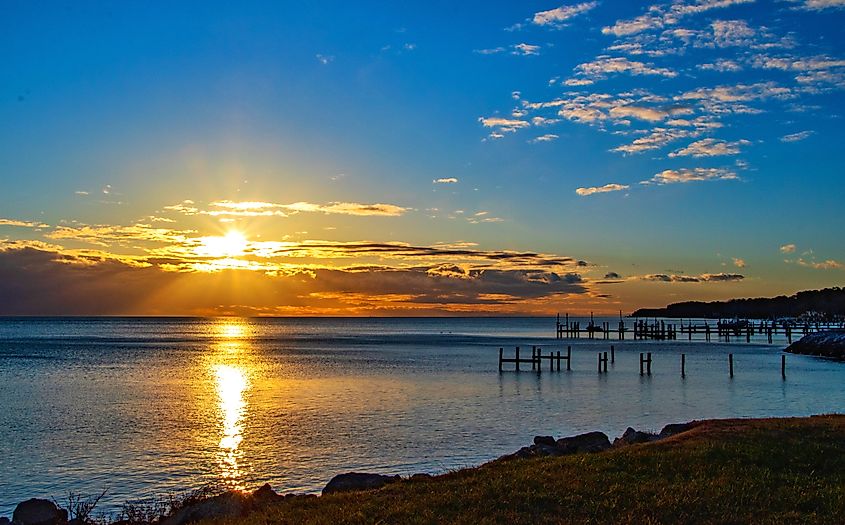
(728, 471)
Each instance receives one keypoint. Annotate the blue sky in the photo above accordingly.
(661, 142)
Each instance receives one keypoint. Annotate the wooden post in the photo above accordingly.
(683, 365)
(558, 360)
(605, 361)
(500, 358)
(599, 362)
(641, 363)
(731, 363)
(783, 366)
(568, 358)
(612, 354)
(517, 359)
(648, 364)
(533, 357)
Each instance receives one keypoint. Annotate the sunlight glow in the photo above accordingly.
(232, 244)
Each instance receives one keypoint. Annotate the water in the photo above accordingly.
(145, 407)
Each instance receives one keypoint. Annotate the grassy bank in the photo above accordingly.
(726, 471)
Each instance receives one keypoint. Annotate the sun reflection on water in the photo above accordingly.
(230, 368)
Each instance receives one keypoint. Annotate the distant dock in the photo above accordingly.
(693, 330)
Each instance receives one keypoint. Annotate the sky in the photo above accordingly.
(417, 158)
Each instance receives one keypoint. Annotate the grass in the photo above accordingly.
(723, 471)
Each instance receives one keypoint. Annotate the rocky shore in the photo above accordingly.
(830, 343)
(234, 504)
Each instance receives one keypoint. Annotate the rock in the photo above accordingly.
(265, 495)
(589, 442)
(231, 504)
(632, 437)
(357, 481)
(675, 428)
(38, 512)
(4, 521)
(829, 343)
(544, 440)
(421, 476)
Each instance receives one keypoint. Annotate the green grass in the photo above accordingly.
(726, 471)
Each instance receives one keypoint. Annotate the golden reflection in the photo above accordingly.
(230, 366)
(231, 384)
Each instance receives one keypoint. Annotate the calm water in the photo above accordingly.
(145, 407)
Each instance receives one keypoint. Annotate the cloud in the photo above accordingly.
(795, 137)
(787, 248)
(722, 65)
(548, 137)
(612, 275)
(601, 189)
(502, 125)
(526, 49)
(446, 180)
(829, 264)
(703, 278)
(227, 208)
(819, 5)
(603, 66)
(560, 14)
(659, 16)
(710, 148)
(348, 208)
(739, 263)
(41, 279)
(691, 175)
(22, 224)
(106, 235)
(489, 51)
(325, 59)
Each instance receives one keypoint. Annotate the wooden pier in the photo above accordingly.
(692, 330)
(556, 357)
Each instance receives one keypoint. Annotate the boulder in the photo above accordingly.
(357, 481)
(828, 343)
(675, 428)
(544, 440)
(231, 504)
(589, 442)
(632, 437)
(38, 512)
(264, 496)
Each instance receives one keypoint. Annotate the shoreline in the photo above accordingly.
(206, 504)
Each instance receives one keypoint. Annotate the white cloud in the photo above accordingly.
(829, 264)
(691, 175)
(739, 263)
(818, 5)
(325, 59)
(601, 189)
(787, 248)
(526, 49)
(548, 137)
(602, 66)
(561, 14)
(795, 137)
(659, 16)
(446, 180)
(722, 65)
(503, 124)
(710, 148)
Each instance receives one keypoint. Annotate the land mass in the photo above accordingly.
(788, 470)
(826, 304)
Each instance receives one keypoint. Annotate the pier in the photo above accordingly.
(737, 330)
(555, 357)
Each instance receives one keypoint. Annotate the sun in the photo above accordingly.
(232, 244)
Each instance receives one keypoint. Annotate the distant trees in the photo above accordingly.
(826, 303)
